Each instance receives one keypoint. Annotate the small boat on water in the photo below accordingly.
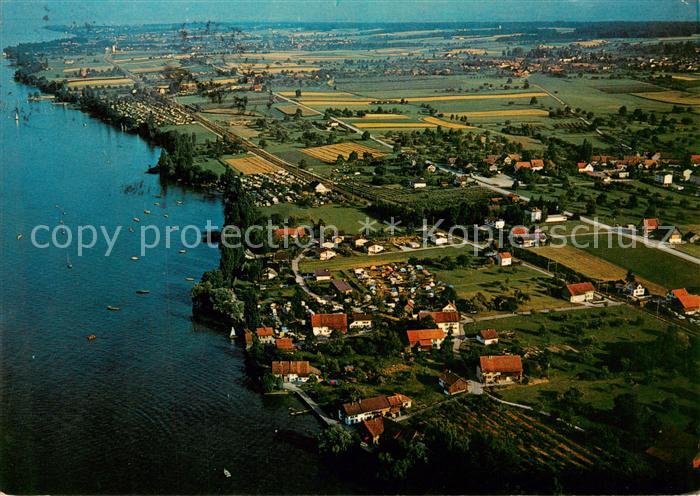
(113, 309)
(20, 236)
(136, 219)
(68, 264)
(91, 337)
(156, 204)
(166, 215)
(227, 473)
(182, 251)
(147, 212)
(232, 334)
(131, 229)
(142, 291)
(190, 279)
(179, 202)
(134, 258)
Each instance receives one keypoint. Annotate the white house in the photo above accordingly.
(448, 322)
(327, 255)
(487, 337)
(504, 259)
(266, 335)
(269, 273)
(535, 215)
(321, 189)
(439, 239)
(664, 179)
(322, 275)
(419, 184)
(361, 321)
(495, 223)
(375, 249)
(579, 292)
(635, 289)
(294, 371)
(556, 218)
(361, 242)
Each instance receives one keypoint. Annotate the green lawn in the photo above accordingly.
(503, 281)
(348, 220)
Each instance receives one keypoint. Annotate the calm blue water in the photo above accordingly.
(155, 403)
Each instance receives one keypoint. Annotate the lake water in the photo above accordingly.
(155, 403)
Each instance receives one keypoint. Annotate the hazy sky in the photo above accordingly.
(146, 11)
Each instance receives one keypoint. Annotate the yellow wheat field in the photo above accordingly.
(447, 124)
(505, 113)
(672, 97)
(77, 83)
(384, 116)
(392, 125)
(252, 165)
(329, 153)
(685, 78)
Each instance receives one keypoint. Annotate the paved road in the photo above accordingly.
(299, 278)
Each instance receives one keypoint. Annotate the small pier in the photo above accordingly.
(305, 398)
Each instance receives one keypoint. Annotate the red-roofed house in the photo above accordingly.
(266, 335)
(695, 159)
(502, 369)
(579, 292)
(487, 337)
(522, 165)
(537, 164)
(504, 259)
(649, 226)
(294, 371)
(687, 302)
(452, 384)
(323, 324)
(374, 429)
(284, 344)
(425, 339)
(290, 232)
(446, 321)
(583, 167)
(369, 408)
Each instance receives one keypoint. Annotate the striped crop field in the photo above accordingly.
(505, 113)
(329, 153)
(252, 164)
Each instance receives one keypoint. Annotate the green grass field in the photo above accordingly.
(578, 352)
(347, 219)
(650, 263)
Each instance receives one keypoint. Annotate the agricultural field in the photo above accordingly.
(671, 97)
(202, 133)
(330, 153)
(109, 81)
(504, 113)
(649, 263)
(535, 441)
(252, 164)
(591, 266)
(292, 109)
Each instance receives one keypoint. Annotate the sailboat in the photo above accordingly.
(16, 114)
(232, 334)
